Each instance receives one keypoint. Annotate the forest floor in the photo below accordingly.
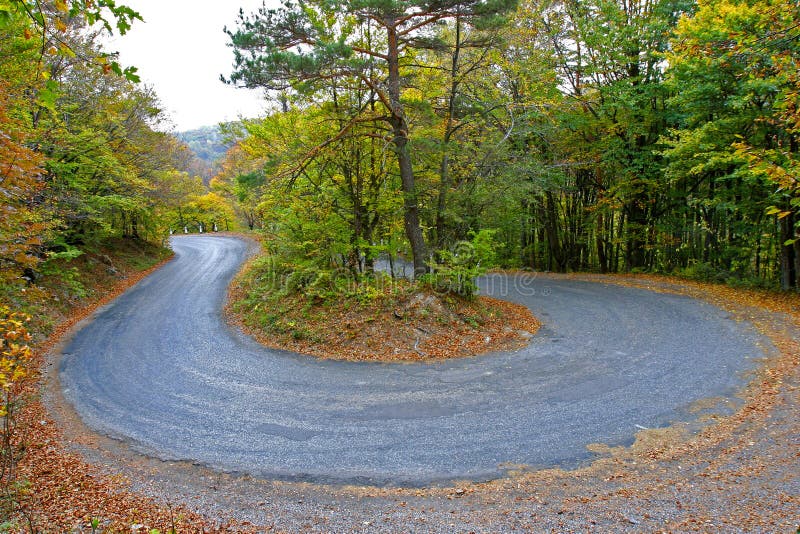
(389, 321)
(737, 473)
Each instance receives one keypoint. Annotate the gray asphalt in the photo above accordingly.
(160, 370)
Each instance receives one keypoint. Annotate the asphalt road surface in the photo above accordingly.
(160, 370)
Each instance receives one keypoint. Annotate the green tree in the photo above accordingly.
(588, 136)
(733, 67)
(52, 21)
(302, 46)
(82, 160)
(241, 181)
(343, 193)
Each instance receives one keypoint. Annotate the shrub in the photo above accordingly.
(704, 272)
(15, 356)
(455, 270)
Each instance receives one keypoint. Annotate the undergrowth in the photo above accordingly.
(32, 304)
(705, 272)
(68, 278)
(334, 313)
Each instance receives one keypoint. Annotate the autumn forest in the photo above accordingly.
(447, 138)
(607, 136)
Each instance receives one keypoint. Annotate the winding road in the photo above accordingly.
(160, 370)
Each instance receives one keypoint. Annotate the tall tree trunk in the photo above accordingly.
(788, 275)
(134, 227)
(551, 231)
(637, 227)
(400, 140)
(602, 260)
(444, 167)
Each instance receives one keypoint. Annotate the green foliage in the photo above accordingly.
(8, 526)
(456, 269)
(320, 50)
(599, 135)
(57, 266)
(100, 168)
(733, 145)
(53, 22)
(704, 272)
(484, 247)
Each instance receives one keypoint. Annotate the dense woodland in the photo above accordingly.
(603, 135)
(83, 158)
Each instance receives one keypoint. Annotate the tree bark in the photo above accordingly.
(444, 168)
(602, 260)
(787, 253)
(400, 140)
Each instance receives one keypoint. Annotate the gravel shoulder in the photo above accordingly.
(677, 477)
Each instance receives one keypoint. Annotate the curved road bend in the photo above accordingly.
(160, 370)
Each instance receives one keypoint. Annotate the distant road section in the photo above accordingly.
(160, 369)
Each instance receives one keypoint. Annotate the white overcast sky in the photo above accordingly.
(180, 50)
